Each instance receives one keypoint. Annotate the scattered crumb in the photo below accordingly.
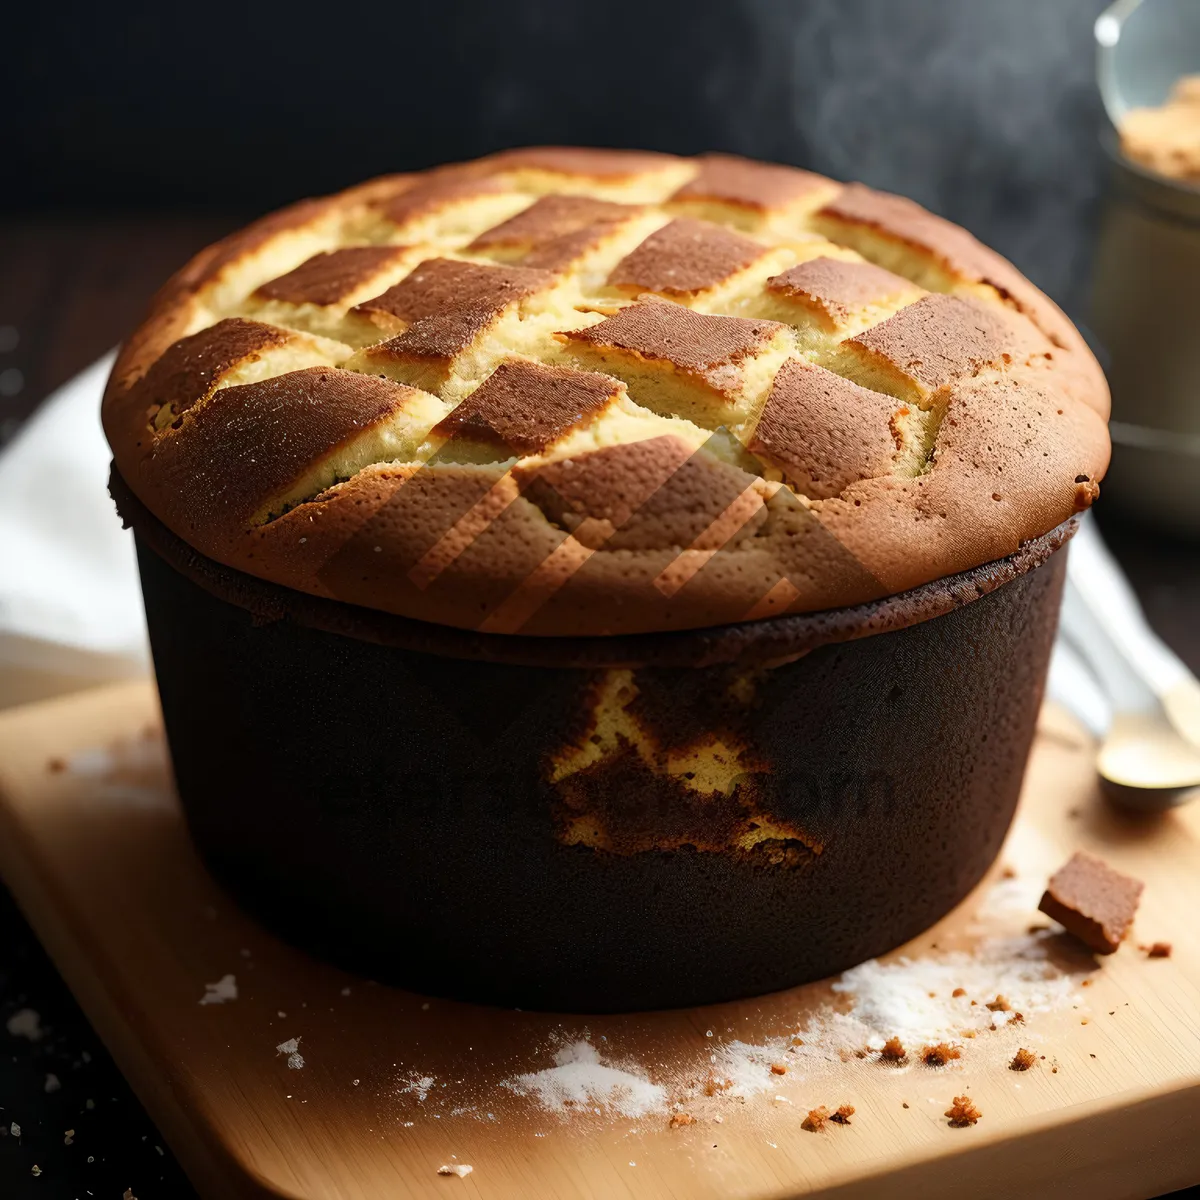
(1158, 950)
(681, 1119)
(958, 992)
(903, 1103)
(893, 1051)
(816, 1119)
(713, 1085)
(52, 1083)
(295, 1060)
(1086, 983)
(778, 1069)
(963, 1112)
(939, 1055)
(56, 766)
(843, 1115)
(15, 1129)
(223, 990)
(797, 1041)
(35, 1170)
(1036, 927)
(128, 1194)
(25, 1023)
(69, 1137)
(1000, 1004)
(1008, 873)
(1022, 1060)
(462, 1170)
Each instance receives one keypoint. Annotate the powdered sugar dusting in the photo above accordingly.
(25, 1023)
(914, 998)
(417, 1085)
(581, 1079)
(221, 992)
(295, 1060)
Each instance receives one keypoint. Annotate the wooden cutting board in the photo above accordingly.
(394, 1085)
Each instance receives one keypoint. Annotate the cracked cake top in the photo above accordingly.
(565, 391)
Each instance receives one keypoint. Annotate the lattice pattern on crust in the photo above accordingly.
(544, 305)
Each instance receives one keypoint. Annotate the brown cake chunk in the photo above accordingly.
(1092, 901)
(824, 432)
(893, 1051)
(843, 1114)
(524, 407)
(685, 257)
(331, 276)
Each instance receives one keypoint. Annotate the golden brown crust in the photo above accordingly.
(804, 432)
(790, 487)
(521, 408)
(760, 186)
(838, 288)
(331, 275)
(685, 257)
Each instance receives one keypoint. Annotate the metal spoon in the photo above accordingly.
(1149, 759)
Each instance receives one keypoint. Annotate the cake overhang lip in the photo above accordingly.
(765, 642)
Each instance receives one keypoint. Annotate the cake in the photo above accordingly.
(585, 392)
(601, 580)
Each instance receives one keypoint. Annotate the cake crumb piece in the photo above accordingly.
(1008, 873)
(1092, 901)
(958, 992)
(462, 1170)
(816, 1119)
(1000, 1004)
(713, 1085)
(963, 1112)
(35, 1171)
(1158, 950)
(797, 1041)
(939, 1055)
(778, 1069)
(893, 1051)
(843, 1115)
(903, 1103)
(56, 766)
(1022, 1060)
(128, 1194)
(680, 1119)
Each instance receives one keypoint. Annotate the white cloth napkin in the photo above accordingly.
(70, 603)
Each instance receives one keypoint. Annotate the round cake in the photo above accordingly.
(586, 392)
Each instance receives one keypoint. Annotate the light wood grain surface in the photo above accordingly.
(93, 845)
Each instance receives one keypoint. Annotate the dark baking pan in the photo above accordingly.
(598, 824)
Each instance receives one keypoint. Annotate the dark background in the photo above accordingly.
(985, 110)
(135, 134)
